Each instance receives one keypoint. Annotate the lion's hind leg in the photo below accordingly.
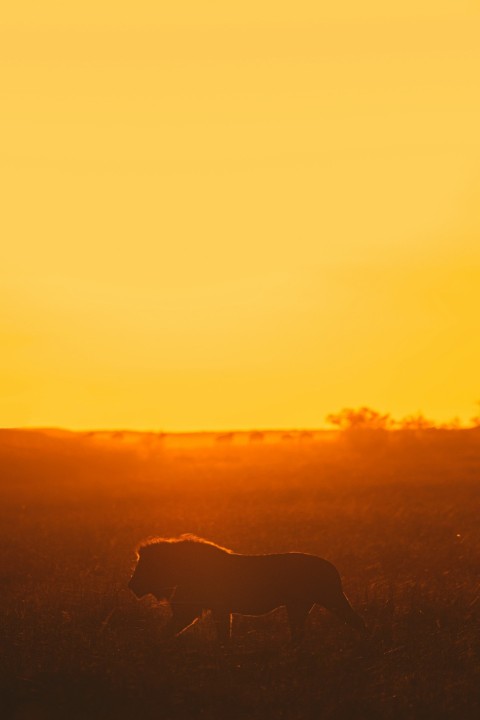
(297, 612)
(223, 625)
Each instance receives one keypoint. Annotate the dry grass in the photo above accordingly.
(398, 513)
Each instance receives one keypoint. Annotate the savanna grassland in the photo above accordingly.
(396, 511)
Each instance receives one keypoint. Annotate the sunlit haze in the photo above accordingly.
(234, 215)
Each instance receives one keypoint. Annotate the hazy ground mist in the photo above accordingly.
(397, 512)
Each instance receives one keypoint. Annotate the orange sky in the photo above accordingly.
(240, 215)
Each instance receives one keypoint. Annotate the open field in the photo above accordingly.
(397, 512)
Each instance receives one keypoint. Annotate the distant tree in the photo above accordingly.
(256, 436)
(453, 424)
(415, 422)
(475, 420)
(363, 418)
(225, 437)
(306, 435)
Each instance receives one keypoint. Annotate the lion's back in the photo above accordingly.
(254, 584)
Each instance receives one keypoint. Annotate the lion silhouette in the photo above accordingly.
(196, 575)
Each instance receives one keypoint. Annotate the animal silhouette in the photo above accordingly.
(197, 575)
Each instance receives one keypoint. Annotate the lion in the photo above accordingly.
(196, 575)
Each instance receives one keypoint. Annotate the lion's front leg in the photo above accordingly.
(184, 611)
(184, 614)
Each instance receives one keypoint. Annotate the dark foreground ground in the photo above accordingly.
(398, 513)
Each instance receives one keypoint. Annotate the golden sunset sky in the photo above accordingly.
(238, 214)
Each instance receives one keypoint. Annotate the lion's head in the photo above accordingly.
(153, 574)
